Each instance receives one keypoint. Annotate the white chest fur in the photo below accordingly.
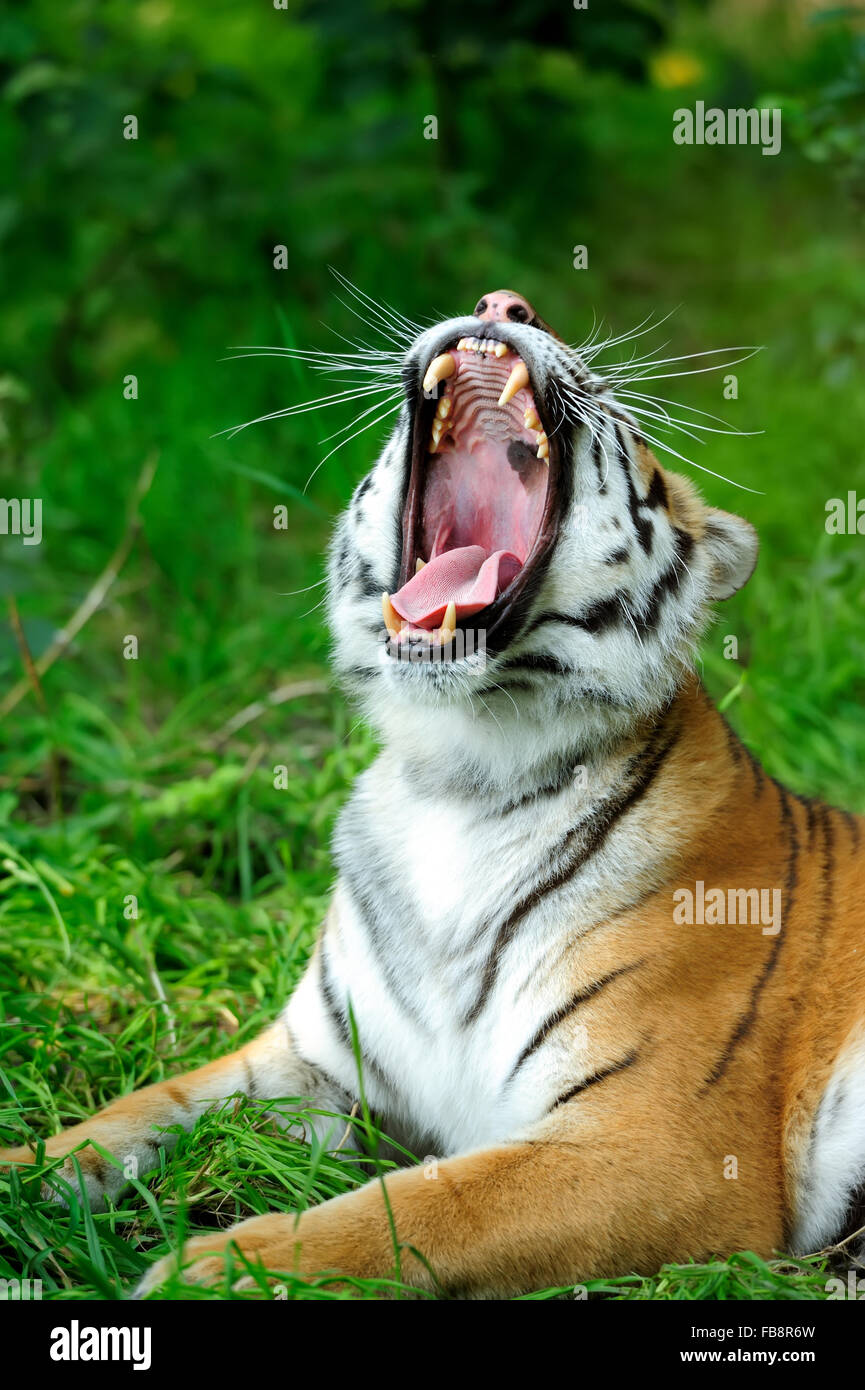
(447, 977)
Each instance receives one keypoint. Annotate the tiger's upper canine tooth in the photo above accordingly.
(392, 620)
(518, 378)
(439, 370)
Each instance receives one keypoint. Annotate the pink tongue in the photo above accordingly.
(468, 576)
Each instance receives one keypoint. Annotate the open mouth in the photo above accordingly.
(481, 504)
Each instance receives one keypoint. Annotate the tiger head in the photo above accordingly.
(518, 573)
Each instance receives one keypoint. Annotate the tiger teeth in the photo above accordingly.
(392, 620)
(418, 565)
(518, 378)
(531, 420)
(543, 446)
(444, 407)
(439, 370)
(447, 631)
(490, 345)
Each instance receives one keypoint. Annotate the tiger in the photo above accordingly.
(581, 949)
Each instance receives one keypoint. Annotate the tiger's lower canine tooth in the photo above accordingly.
(439, 370)
(418, 565)
(447, 631)
(518, 378)
(392, 620)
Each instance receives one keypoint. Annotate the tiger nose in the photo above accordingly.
(504, 305)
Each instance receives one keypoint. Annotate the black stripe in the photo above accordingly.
(669, 583)
(593, 1080)
(366, 581)
(610, 612)
(853, 825)
(642, 526)
(563, 777)
(749, 1015)
(736, 743)
(589, 844)
(549, 665)
(733, 743)
(552, 1022)
(854, 1220)
(597, 456)
(630, 426)
(370, 915)
(829, 859)
(336, 1012)
(603, 613)
(323, 1077)
(250, 1089)
(619, 556)
(657, 495)
(506, 687)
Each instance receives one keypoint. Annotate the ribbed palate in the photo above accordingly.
(484, 489)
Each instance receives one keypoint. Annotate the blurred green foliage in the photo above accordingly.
(303, 126)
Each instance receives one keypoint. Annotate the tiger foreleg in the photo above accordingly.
(494, 1223)
(135, 1128)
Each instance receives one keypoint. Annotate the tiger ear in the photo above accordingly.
(733, 545)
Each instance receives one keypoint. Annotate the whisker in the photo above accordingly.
(668, 422)
(668, 449)
(376, 405)
(387, 314)
(321, 403)
(749, 352)
(350, 437)
(293, 593)
(663, 400)
(494, 685)
(642, 328)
